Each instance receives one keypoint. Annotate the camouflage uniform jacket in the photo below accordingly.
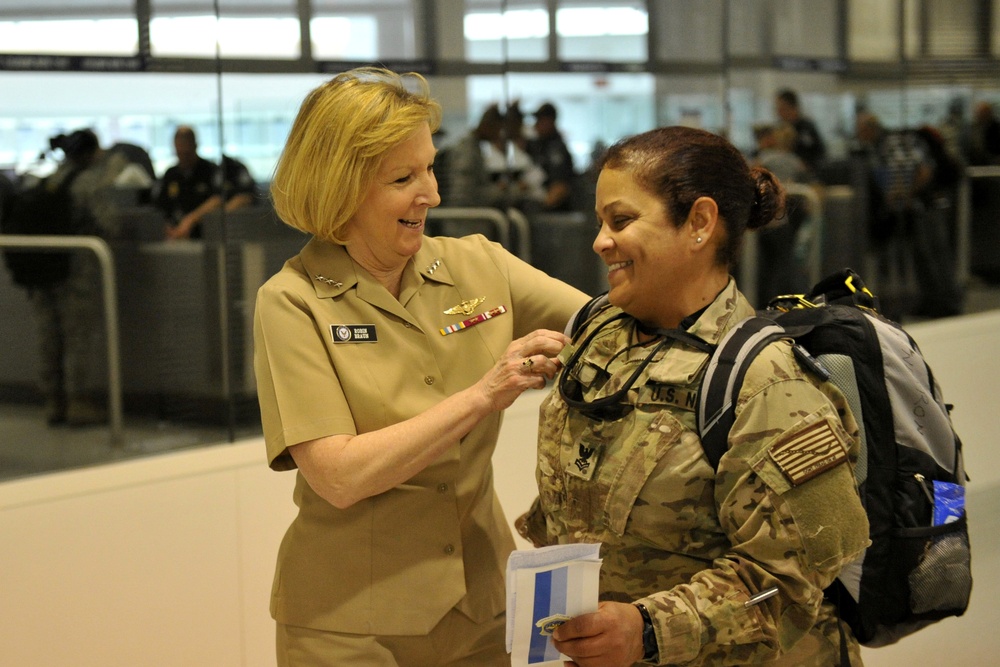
(693, 544)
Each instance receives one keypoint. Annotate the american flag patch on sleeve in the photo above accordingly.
(808, 453)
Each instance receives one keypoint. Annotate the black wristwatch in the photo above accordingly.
(650, 649)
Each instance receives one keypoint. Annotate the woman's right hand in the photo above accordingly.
(526, 364)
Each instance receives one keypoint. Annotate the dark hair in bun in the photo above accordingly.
(681, 164)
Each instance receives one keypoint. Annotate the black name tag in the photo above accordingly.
(353, 333)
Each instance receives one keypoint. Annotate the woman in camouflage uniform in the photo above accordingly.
(701, 567)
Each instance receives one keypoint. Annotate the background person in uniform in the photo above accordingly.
(775, 152)
(809, 144)
(195, 187)
(620, 461)
(468, 181)
(984, 146)
(548, 149)
(69, 313)
(907, 238)
(386, 403)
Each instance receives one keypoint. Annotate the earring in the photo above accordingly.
(698, 240)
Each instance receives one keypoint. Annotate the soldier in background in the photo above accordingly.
(809, 144)
(548, 149)
(195, 187)
(69, 310)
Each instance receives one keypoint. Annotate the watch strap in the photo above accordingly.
(650, 649)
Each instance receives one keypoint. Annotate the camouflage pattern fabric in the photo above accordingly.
(692, 544)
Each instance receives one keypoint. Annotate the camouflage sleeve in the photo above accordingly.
(787, 499)
(531, 525)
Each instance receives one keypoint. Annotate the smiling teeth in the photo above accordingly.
(618, 265)
(411, 223)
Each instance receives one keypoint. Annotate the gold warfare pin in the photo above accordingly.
(466, 307)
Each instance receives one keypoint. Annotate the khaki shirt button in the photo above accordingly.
(442, 487)
(407, 325)
(428, 379)
(449, 549)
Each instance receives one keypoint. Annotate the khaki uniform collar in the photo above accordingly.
(332, 272)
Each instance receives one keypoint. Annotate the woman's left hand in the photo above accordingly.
(610, 637)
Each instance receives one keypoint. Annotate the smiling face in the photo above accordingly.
(388, 228)
(648, 258)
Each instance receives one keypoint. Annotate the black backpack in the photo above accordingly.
(40, 209)
(910, 473)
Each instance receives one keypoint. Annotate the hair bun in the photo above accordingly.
(768, 200)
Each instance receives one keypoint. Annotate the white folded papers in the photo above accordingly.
(546, 587)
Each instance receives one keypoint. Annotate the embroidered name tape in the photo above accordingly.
(472, 321)
(353, 333)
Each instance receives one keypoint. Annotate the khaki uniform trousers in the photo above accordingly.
(456, 641)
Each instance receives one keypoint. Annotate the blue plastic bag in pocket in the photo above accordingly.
(949, 502)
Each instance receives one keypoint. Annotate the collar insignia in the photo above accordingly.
(466, 307)
(329, 281)
(433, 267)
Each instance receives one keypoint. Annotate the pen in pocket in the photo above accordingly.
(757, 598)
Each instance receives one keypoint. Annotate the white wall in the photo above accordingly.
(167, 561)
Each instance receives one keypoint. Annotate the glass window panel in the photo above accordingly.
(912, 22)
(166, 370)
(61, 27)
(952, 28)
(805, 28)
(995, 22)
(873, 30)
(514, 30)
(604, 32)
(594, 109)
(242, 30)
(679, 20)
(749, 27)
(693, 101)
(366, 31)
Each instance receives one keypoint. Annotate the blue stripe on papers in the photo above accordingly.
(550, 598)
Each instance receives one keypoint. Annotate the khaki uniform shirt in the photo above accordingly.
(337, 354)
(691, 543)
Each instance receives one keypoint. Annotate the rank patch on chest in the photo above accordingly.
(353, 333)
(583, 464)
(809, 453)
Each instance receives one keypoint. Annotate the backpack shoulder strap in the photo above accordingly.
(723, 378)
(580, 317)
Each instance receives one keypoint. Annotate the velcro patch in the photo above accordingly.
(808, 453)
(588, 453)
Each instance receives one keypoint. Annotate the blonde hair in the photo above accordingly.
(337, 143)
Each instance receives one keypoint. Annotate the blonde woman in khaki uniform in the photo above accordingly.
(384, 360)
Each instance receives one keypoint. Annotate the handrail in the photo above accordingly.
(476, 213)
(100, 248)
(812, 230)
(520, 221)
(964, 232)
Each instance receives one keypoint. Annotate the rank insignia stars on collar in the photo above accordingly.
(433, 267)
(329, 281)
(466, 307)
